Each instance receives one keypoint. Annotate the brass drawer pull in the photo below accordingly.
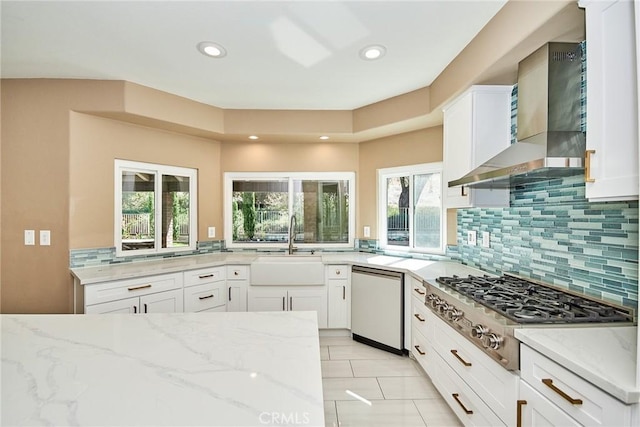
(417, 316)
(520, 404)
(417, 347)
(464, 362)
(549, 383)
(467, 411)
(587, 166)
(208, 296)
(135, 288)
(205, 276)
(418, 290)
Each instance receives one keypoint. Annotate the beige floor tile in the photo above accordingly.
(358, 351)
(324, 353)
(337, 341)
(330, 414)
(336, 388)
(408, 388)
(383, 413)
(436, 413)
(336, 369)
(397, 367)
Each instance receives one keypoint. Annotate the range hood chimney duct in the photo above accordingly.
(550, 142)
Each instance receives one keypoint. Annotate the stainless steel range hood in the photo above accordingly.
(550, 143)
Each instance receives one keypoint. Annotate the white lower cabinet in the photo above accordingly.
(558, 396)
(204, 290)
(237, 285)
(278, 298)
(339, 296)
(485, 385)
(153, 294)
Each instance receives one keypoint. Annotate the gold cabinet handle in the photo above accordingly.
(135, 288)
(205, 276)
(206, 297)
(417, 316)
(520, 404)
(587, 166)
(464, 362)
(417, 347)
(549, 383)
(464, 408)
(420, 291)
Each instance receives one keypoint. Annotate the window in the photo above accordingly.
(410, 209)
(155, 208)
(259, 207)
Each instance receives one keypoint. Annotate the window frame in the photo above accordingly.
(229, 177)
(158, 170)
(411, 171)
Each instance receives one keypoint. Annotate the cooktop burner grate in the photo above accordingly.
(525, 301)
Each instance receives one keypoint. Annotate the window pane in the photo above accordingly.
(427, 211)
(175, 230)
(138, 209)
(260, 211)
(398, 211)
(322, 211)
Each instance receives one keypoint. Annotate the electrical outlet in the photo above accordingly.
(485, 239)
(211, 232)
(45, 237)
(367, 231)
(29, 237)
(471, 237)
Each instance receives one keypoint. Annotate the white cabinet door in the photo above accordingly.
(612, 110)
(339, 304)
(537, 411)
(237, 285)
(163, 302)
(127, 306)
(310, 300)
(477, 126)
(267, 298)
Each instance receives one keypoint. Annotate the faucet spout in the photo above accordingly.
(292, 233)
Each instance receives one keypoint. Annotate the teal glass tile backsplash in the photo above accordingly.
(551, 232)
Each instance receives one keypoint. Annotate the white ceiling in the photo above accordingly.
(281, 55)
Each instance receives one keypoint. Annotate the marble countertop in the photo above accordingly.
(604, 356)
(420, 268)
(214, 369)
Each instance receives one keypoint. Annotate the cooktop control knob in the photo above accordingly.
(435, 301)
(492, 341)
(478, 331)
(453, 314)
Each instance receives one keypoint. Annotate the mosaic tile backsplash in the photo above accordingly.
(551, 232)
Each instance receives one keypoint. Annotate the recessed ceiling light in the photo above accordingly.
(211, 49)
(253, 137)
(324, 137)
(372, 52)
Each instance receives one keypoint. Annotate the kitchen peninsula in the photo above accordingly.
(216, 369)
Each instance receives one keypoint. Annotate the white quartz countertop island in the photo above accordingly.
(214, 369)
(604, 356)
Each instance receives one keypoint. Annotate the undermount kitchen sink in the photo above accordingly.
(290, 270)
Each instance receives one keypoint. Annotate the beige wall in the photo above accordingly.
(423, 146)
(94, 145)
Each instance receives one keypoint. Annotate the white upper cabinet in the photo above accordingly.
(611, 171)
(477, 126)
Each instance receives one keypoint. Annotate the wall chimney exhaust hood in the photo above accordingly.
(550, 142)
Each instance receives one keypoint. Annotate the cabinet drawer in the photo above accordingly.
(466, 404)
(203, 297)
(591, 406)
(497, 386)
(237, 272)
(121, 289)
(204, 275)
(337, 272)
(420, 317)
(421, 350)
(539, 411)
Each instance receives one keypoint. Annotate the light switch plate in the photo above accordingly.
(29, 237)
(45, 237)
(486, 239)
(211, 232)
(367, 231)
(471, 237)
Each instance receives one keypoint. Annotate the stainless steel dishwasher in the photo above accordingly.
(377, 308)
